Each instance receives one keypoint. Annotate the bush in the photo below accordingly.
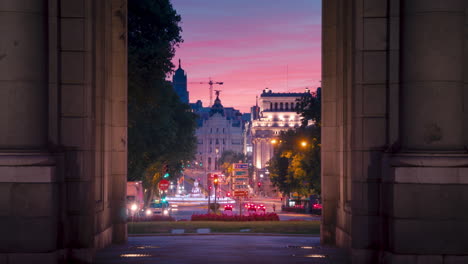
(252, 217)
(214, 206)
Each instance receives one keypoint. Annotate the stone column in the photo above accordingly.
(29, 193)
(432, 75)
(425, 181)
(23, 75)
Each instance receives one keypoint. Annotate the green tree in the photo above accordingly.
(161, 129)
(310, 108)
(294, 167)
(228, 158)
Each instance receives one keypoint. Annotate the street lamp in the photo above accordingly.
(303, 144)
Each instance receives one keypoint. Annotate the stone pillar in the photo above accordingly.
(432, 64)
(426, 179)
(119, 120)
(29, 192)
(23, 75)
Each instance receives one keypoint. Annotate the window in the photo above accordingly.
(211, 130)
(276, 106)
(224, 141)
(281, 106)
(223, 130)
(286, 106)
(217, 141)
(271, 106)
(217, 130)
(211, 141)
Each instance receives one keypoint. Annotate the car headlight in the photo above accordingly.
(134, 207)
(166, 212)
(148, 212)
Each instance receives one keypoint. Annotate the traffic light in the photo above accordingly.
(259, 184)
(201, 164)
(228, 194)
(210, 187)
(163, 197)
(215, 180)
(166, 171)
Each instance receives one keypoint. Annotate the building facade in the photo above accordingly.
(220, 129)
(277, 113)
(179, 82)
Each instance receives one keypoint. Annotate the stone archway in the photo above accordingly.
(63, 128)
(394, 166)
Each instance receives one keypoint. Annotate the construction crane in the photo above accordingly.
(211, 83)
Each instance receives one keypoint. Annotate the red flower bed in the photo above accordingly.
(252, 217)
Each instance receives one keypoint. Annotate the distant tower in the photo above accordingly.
(179, 82)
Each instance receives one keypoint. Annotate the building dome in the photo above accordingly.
(217, 107)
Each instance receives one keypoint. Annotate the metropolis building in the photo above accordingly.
(219, 129)
(277, 113)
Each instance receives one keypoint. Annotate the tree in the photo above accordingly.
(161, 129)
(294, 167)
(310, 108)
(228, 158)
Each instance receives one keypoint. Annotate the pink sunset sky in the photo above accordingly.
(249, 45)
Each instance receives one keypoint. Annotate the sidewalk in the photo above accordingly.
(221, 249)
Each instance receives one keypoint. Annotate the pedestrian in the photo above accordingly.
(274, 208)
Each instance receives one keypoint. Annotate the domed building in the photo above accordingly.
(220, 129)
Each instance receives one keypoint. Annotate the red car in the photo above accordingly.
(228, 207)
(251, 207)
(317, 207)
(261, 207)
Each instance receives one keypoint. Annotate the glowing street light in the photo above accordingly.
(274, 141)
(304, 144)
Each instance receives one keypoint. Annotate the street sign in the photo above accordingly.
(163, 185)
(240, 180)
(241, 166)
(240, 193)
(240, 173)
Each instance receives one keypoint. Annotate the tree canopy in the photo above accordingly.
(161, 129)
(228, 158)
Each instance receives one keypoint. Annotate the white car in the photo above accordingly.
(158, 209)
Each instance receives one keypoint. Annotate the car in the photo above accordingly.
(252, 208)
(261, 207)
(228, 207)
(158, 208)
(316, 206)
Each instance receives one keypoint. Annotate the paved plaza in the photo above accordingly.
(191, 249)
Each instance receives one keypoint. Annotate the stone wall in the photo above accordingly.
(62, 129)
(394, 130)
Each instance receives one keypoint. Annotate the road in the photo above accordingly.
(185, 209)
(206, 249)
